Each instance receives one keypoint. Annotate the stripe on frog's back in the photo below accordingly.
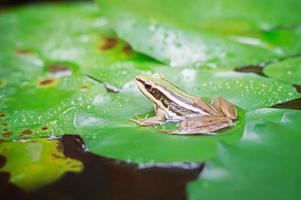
(186, 103)
(173, 95)
(179, 110)
(168, 104)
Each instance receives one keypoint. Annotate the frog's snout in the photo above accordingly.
(138, 78)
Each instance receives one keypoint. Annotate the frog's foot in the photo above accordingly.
(203, 125)
(225, 107)
(151, 121)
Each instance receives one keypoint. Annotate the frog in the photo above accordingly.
(193, 114)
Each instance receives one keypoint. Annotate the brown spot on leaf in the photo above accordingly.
(59, 69)
(23, 51)
(44, 128)
(1, 82)
(127, 49)
(4, 149)
(47, 82)
(84, 87)
(27, 132)
(108, 43)
(4, 124)
(2, 115)
(7, 134)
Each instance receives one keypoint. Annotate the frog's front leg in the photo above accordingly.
(158, 119)
(225, 107)
(203, 125)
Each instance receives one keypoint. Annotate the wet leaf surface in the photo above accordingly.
(288, 71)
(267, 161)
(208, 33)
(45, 106)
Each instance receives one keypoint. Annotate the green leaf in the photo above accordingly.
(264, 165)
(107, 130)
(118, 138)
(125, 141)
(42, 77)
(211, 33)
(83, 38)
(288, 71)
(44, 106)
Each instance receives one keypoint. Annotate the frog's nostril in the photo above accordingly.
(137, 78)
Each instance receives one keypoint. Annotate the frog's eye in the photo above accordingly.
(147, 86)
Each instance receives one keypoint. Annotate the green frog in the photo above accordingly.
(194, 114)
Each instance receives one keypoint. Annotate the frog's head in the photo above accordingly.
(150, 87)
